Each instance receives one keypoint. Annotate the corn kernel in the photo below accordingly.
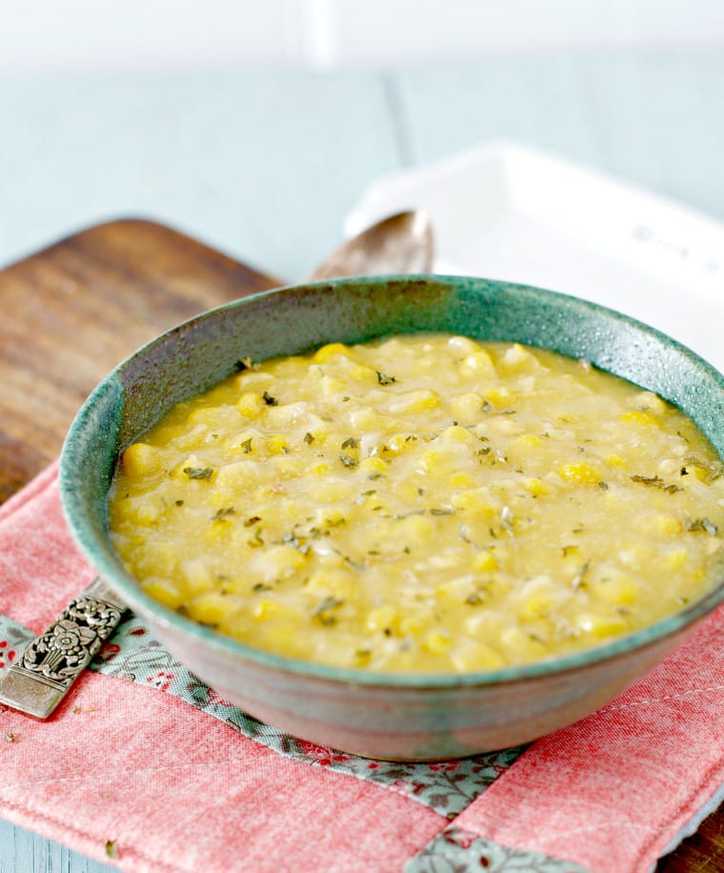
(330, 351)
(438, 642)
(332, 387)
(600, 626)
(476, 500)
(620, 590)
(485, 562)
(212, 608)
(250, 404)
(649, 402)
(382, 618)
(644, 419)
(667, 525)
(461, 480)
(415, 530)
(518, 358)
(413, 625)
(462, 345)
(140, 459)
(333, 581)
(457, 434)
(676, 559)
(456, 590)
(702, 474)
(580, 474)
(521, 645)
(536, 487)
(467, 407)
(529, 440)
(276, 562)
(414, 401)
(142, 511)
(373, 465)
(434, 462)
(276, 444)
(233, 477)
(471, 655)
(163, 590)
(478, 364)
(360, 373)
(499, 397)
(197, 576)
(400, 442)
(331, 516)
(366, 419)
(265, 609)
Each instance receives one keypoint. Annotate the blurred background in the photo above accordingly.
(257, 126)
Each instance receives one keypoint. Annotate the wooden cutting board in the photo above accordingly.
(74, 310)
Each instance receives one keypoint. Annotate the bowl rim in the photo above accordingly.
(133, 595)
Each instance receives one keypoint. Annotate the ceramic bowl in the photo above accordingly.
(390, 716)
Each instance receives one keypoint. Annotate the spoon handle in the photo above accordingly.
(50, 663)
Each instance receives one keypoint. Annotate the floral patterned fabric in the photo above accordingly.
(447, 787)
(456, 850)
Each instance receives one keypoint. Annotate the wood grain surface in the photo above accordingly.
(74, 310)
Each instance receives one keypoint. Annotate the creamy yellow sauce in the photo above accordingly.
(421, 503)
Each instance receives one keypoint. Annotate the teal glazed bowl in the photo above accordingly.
(380, 715)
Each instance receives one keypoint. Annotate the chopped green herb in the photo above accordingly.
(250, 522)
(258, 587)
(111, 849)
(487, 406)
(473, 599)
(199, 472)
(656, 482)
(384, 379)
(567, 550)
(257, 540)
(269, 400)
(179, 503)
(246, 446)
(308, 438)
(441, 511)
(603, 486)
(375, 476)
(410, 438)
(703, 525)
(407, 550)
(324, 608)
(350, 443)
(223, 513)
(421, 491)
(369, 493)
(348, 460)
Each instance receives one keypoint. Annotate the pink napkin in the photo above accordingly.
(144, 766)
